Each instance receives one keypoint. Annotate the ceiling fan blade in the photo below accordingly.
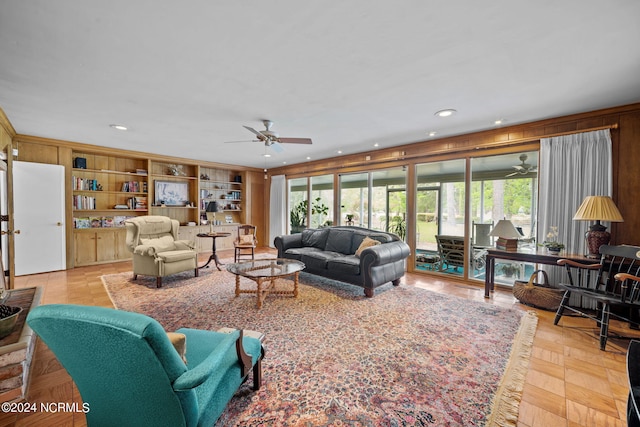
(295, 140)
(261, 136)
(276, 147)
(244, 140)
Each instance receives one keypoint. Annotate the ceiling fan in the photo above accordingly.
(523, 168)
(271, 138)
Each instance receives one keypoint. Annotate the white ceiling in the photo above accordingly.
(184, 76)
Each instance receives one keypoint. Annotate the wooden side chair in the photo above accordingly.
(246, 242)
(611, 285)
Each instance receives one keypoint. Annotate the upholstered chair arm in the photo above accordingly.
(199, 374)
(145, 250)
(185, 245)
(284, 242)
(384, 254)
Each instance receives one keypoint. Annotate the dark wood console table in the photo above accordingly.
(524, 255)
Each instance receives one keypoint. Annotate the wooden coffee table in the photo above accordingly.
(265, 272)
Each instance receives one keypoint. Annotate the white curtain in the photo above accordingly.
(571, 168)
(278, 212)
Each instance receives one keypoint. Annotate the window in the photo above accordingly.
(321, 201)
(298, 201)
(376, 200)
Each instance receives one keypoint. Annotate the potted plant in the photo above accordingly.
(398, 225)
(298, 215)
(551, 243)
(509, 269)
(349, 218)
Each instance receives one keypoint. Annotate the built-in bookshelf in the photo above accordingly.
(174, 190)
(107, 189)
(225, 187)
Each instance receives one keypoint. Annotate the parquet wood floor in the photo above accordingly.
(570, 382)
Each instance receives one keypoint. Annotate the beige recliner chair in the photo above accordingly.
(156, 249)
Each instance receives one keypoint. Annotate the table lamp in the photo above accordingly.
(597, 208)
(507, 235)
(212, 208)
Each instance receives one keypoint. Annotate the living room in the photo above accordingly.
(79, 281)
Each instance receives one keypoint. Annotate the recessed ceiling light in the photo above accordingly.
(339, 151)
(445, 113)
(308, 158)
(118, 127)
(376, 145)
(498, 122)
(267, 155)
(432, 133)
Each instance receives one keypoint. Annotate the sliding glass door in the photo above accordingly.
(503, 187)
(440, 217)
(376, 200)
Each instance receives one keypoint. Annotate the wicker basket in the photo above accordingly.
(539, 295)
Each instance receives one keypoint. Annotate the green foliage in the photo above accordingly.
(398, 225)
(298, 215)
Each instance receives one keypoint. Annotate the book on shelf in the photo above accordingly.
(96, 222)
(118, 221)
(81, 184)
(107, 221)
(81, 222)
(507, 244)
(132, 187)
(81, 202)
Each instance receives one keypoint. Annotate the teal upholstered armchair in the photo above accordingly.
(129, 373)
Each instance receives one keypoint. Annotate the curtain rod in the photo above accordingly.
(551, 135)
(484, 146)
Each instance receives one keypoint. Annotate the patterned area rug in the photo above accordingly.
(407, 357)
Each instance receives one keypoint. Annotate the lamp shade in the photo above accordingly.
(212, 207)
(598, 208)
(505, 229)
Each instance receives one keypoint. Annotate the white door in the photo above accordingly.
(38, 202)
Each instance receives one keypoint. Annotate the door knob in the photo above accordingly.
(16, 232)
(59, 224)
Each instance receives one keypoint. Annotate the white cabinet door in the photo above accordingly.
(38, 199)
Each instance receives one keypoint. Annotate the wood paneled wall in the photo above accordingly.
(625, 135)
(51, 151)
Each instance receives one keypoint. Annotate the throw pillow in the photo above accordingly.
(366, 243)
(246, 239)
(179, 342)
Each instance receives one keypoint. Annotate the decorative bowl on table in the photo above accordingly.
(8, 318)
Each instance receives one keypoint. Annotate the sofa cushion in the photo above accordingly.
(318, 260)
(297, 253)
(339, 241)
(175, 256)
(366, 243)
(358, 237)
(348, 264)
(315, 238)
